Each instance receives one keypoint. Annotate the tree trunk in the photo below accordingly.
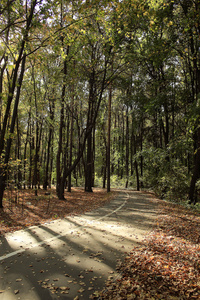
(71, 142)
(2, 69)
(50, 139)
(141, 156)
(59, 183)
(14, 77)
(122, 148)
(91, 113)
(25, 153)
(196, 171)
(127, 148)
(119, 147)
(38, 131)
(88, 169)
(108, 139)
(3, 171)
(136, 165)
(18, 150)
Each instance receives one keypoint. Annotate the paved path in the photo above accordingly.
(74, 256)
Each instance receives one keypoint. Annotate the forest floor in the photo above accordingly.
(23, 209)
(166, 266)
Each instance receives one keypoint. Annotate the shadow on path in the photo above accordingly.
(76, 255)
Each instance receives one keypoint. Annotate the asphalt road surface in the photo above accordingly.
(71, 258)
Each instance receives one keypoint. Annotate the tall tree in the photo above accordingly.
(20, 61)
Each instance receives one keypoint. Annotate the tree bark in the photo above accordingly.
(59, 183)
(127, 147)
(88, 169)
(136, 164)
(108, 139)
(196, 170)
(3, 171)
(71, 142)
(49, 146)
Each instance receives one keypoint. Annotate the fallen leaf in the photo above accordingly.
(81, 290)
(64, 288)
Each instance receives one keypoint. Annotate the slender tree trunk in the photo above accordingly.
(132, 144)
(14, 78)
(2, 69)
(88, 173)
(71, 142)
(136, 165)
(141, 156)
(91, 113)
(9, 140)
(104, 175)
(104, 165)
(127, 148)
(196, 171)
(93, 155)
(122, 148)
(36, 156)
(119, 147)
(60, 186)
(25, 153)
(108, 139)
(49, 147)
(59, 183)
(19, 167)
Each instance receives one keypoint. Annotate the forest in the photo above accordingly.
(100, 93)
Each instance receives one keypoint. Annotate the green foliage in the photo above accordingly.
(150, 50)
(115, 181)
(165, 174)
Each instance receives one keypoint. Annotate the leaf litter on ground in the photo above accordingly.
(166, 266)
(23, 209)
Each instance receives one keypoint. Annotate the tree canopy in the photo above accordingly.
(100, 91)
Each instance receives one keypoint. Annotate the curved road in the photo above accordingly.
(73, 257)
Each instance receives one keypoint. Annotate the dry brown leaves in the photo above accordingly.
(167, 265)
(23, 208)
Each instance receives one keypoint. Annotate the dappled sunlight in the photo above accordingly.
(21, 239)
(77, 254)
(33, 210)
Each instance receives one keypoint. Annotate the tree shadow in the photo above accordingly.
(81, 259)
